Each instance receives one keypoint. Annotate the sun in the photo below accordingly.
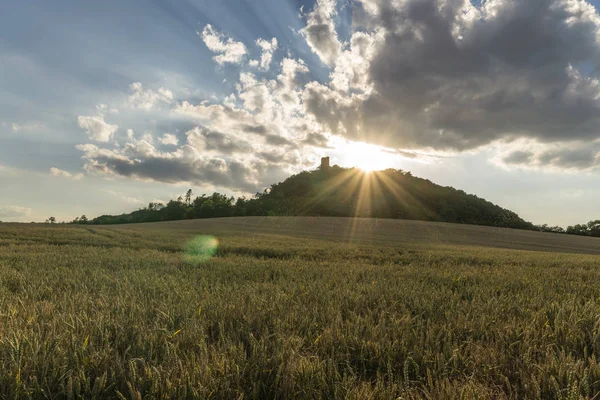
(367, 157)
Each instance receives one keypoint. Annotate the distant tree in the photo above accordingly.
(579, 229)
(188, 197)
(51, 220)
(83, 219)
(594, 228)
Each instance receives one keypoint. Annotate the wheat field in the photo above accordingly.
(297, 308)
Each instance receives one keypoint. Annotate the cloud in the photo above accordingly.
(9, 171)
(146, 98)
(320, 32)
(96, 128)
(26, 127)
(65, 174)
(573, 156)
(204, 139)
(450, 75)
(316, 140)
(422, 78)
(169, 139)
(14, 212)
(227, 50)
(184, 165)
(270, 109)
(268, 48)
(207, 157)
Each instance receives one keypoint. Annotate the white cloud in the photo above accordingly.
(65, 174)
(268, 48)
(320, 32)
(352, 66)
(227, 50)
(169, 139)
(96, 128)
(242, 148)
(146, 98)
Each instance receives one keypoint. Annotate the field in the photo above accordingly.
(298, 308)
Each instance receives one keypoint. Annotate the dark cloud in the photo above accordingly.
(578, 156)
(276, 140)
(270, 138)
(258, 129)
(316, 139)
(207, 157)
(185, 165)
(449, 75)
(279, 158)
(518, 157)
(217, 141)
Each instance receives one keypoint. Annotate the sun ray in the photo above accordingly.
(363, 200)
(332, 185)
(402, 194)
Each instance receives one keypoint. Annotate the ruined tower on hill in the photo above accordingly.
(324, 163)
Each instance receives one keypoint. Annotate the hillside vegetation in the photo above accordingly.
(307, 308)
(338, 192)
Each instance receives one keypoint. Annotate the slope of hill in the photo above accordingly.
(338, 192)
(377, 232)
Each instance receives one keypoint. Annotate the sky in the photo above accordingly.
(107, 106)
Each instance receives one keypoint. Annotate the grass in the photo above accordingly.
(97, 313)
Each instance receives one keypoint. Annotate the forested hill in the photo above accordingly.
(338, 192)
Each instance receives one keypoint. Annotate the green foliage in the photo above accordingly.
(115, 312)
(338, 192)
(592, 228)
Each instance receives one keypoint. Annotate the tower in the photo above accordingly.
(324, 163)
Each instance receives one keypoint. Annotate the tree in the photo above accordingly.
(579, 229)
(594, 228)
(51, 220)
(188, 197)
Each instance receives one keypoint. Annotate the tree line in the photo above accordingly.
(344, 192)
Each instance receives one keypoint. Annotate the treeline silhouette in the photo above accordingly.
(343, 192)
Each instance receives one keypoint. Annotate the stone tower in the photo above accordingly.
(325, 163)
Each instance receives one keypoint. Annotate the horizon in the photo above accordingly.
(110, 106)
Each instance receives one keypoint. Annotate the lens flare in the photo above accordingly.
(200, 249)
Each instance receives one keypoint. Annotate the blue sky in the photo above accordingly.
(504, 118)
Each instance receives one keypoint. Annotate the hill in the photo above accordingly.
(377, 232)
(338, 192)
